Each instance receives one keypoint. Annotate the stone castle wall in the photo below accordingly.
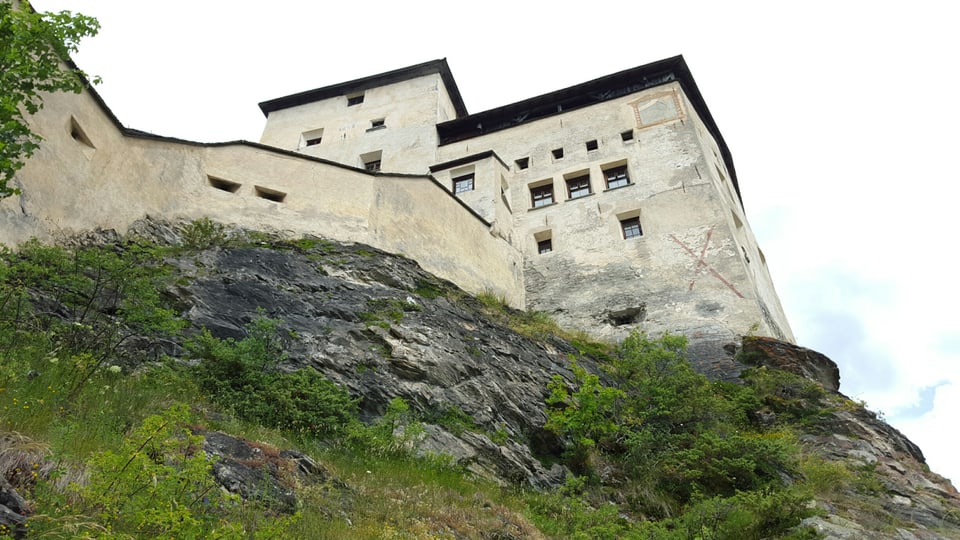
(90, 173)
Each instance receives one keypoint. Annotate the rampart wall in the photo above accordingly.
(90, 173)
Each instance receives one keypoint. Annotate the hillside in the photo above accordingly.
(193, 380)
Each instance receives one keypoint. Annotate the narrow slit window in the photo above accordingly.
(270, 194)
(223, 185)
(355, 99)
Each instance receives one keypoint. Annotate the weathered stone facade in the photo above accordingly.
(610, 205)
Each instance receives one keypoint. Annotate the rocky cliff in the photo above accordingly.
(381, 327)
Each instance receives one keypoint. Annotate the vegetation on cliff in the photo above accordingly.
(110, 396)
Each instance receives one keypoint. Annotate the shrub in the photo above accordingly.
(244, 376)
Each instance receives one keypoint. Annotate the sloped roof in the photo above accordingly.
(359, 85)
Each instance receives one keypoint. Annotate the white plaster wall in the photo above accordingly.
(410, 111)
(592, 272)
(67, 191)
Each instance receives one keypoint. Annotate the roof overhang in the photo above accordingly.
(359, 85)
(584, 95)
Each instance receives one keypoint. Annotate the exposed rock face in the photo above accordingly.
(380, 326)
(358, 318)
(259, 472)
(788, 357)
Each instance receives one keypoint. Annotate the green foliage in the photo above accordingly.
(203, 234)
(32, 48)
(587, 415)
(158, 483)
(454, 419)
(244, 376)
(792, 397)
(679, 446)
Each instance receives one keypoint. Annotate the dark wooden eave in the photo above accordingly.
(359, 85)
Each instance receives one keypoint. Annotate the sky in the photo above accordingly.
(842, 118)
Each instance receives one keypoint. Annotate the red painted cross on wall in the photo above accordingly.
(702, 267)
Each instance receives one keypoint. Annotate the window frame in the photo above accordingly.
(373, 165)
(544, 246)
(583, 181)
(462, 179)
(612, 172)
(630, 224)
(541, 193)
(354, 100)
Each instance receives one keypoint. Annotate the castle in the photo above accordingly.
(610, 205)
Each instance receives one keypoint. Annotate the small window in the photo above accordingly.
(592, 145)
(627, 136)
(616, 177)
(542, 195)
(545, 246)
(462, 184)
(269, 194)
(77, 133)
(578, 187)
(557, 153)
(371, 160)
(523, 163)
(355, 99)
(223, 185)
(631, 228)
(379, 123)
(311, 138)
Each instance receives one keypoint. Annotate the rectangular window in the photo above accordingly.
(371, 160)
(627, 136)
(379, 123)
(355, 99)
(311, 138)
(557, 153)
(578, 187)
(631, 228)
(463, 184)
(616, 177)
(592, 145)
(523, 163)
(545, 246)
(542, 195)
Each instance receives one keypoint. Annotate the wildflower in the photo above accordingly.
(54, 359)
(114, 369)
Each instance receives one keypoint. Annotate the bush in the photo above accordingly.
(244, 376)
(665, 437)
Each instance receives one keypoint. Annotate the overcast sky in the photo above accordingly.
(842, 119)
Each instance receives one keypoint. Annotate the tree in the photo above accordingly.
(34, 49)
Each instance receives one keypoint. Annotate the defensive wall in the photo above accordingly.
(90, 172)
(610, 205)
